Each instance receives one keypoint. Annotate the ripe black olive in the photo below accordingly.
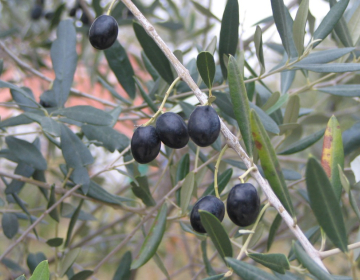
(36, 12)
(103, 32)
(172, 130)
(208, 203)
(204, 126)
(243, 204)
(145, 144)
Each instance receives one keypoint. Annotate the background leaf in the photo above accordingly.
(123, 271)
(9, 224)
(299, 26)
(276, 262)
(206, 67)
(41, 272)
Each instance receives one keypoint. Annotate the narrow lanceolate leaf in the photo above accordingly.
(108, 137)
(120, 64)
(68, 261)
(229, 33)
(64, 60)
(240, 103)
(47, 123)
(223, 180)
(217, 233)
(330, 68)
(273, 229)
(302, 144)
(161, 266)
(282, 20)
(333, 154)
(259, 48)
(154, 53)
(82, 275)
(248, 271)
(282, 100)
(41, 272)
(26, 152)
(26, 103)
(325, 204)
(270, 163)
(287, 78)
(141, 189)
(309, 263)
(9, 224)
(123, 271)
(341, 29)
(330, 20)
(326, 56)
(204, 11)
(276, 262)
(72, 223)
(186, 191)
(145, 96)
(208, 268)
(354, 25)
(33, 260)
(299, 26)
(292, 109)
(206, 67)
(342, 90)
(113, 92)
(86, 114)
(55, 242)
(152, 240)
(74, 151)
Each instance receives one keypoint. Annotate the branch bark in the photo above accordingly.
(231, 139)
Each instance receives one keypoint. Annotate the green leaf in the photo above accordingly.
(208, 268)
(9, 224)
(341, 29)
(284, 25)
(68, 261)
(299, 26)
(24, 170)
(82, 275)
(110, 138)
(21, 277)
(55, 242)
(206, 67)
(41, 272)
(309, 263)
(276, 262)
(33, 260)
(273, 229)
(292, 109)
(217, 233)
(247, 271)
(146, 96)
(259, 49)
(152, 240)
(123, 271)
(74, 151)
(22, 206)
(280, 102)
(161, 265)
(206, 12)
(215, 277)
(142, 191)
(14, 121)
(354, 25)
(72, 223)
(325, 204)
(223, 180)
(154, 53)
(12, 265)
(326, 56)
(342, 90)
(270, 163)
(229, 33)
(240, 103)
(120, 64)
(351, 138)
(186, 191)
(287, 78)
(183, 168)
(57, 16)
(26, 103)
(152, 71)
(86, 114)
(64, 60)
(330, 20)
(268, 123)
(330, 68)
(333, 154)
(113, 91)
(26, 152)
(303, 143)
(47, 124)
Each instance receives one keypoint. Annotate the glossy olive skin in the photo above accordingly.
(145, 144)
(103, 32)
(204, 126)
(208, 203)
(172, 130)
(36, 12)
(243, 204)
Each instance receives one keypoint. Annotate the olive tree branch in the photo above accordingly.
(232, 140)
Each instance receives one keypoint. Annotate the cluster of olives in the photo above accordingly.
(203, 128)
(37, 11)
(242, 206)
